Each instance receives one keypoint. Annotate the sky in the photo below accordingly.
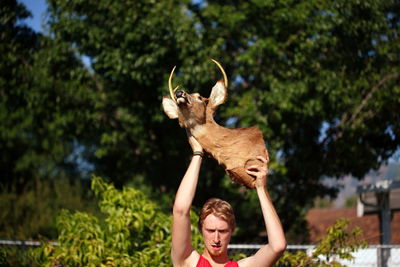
(37, 8)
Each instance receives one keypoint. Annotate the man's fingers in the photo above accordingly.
(253, 168)
(263, 159)
(254, 174)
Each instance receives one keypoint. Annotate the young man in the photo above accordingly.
(217, 222)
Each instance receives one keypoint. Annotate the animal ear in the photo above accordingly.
(170, 107)
(218, 95)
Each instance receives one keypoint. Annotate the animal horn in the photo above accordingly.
(172, 91)
(223, 72)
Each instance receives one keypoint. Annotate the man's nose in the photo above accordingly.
(216, 237)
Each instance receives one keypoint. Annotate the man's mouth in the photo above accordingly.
(216, 247)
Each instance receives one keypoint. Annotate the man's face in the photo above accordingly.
(216, 235)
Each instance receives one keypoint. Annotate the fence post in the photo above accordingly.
(383, 255)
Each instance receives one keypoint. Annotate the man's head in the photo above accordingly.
(220, 209)
(216, 223)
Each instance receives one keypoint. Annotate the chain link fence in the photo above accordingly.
(372, 256)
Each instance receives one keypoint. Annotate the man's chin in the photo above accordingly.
(216, 251)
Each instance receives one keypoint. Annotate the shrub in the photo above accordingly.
(134, 232)
(31, 212)
(338, 243)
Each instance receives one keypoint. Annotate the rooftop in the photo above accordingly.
(320, 219)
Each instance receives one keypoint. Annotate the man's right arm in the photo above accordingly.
(181, 227)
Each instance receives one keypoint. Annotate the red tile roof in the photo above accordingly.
(320, 219)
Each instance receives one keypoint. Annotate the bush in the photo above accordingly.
(32, 212)
(134, 232)
(338, 243)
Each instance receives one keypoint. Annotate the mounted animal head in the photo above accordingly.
(235, 149)
(193, 109)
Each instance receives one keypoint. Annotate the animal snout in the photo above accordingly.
(179, 94)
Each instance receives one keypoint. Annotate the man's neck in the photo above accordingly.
(220, 259)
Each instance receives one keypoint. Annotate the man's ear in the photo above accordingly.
(218, 95)
(170, 107)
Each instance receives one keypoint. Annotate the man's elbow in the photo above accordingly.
(279, 247)
(179, 210)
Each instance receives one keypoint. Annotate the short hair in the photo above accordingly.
(219, 208)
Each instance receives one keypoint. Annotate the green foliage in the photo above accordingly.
(11, 256)
(319, 78)
(134, 232)
(32, 213)
(44, 92)
(3, 255)
(338, 244)
(323, 203)
(351, 202)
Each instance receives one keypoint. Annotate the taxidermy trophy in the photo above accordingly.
(234, 149)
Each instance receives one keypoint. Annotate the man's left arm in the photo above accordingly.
(270, 253)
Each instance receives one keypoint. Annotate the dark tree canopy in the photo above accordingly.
(319, 78)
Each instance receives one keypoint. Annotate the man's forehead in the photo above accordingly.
(213, 222)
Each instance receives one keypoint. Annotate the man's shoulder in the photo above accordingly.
(245, 261)
(190, 261)
(193, 258)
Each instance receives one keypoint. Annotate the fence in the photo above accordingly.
(372, 256)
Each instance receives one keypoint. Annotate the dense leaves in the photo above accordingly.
(319, 78)
(135, 232)
(335, 248)
(32, 212)
(44, 91)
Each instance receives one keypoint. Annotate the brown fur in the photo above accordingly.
(234, 149)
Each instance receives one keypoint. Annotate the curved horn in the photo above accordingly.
(172, 91)
(223, 72)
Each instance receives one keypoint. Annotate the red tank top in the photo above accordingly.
(203, 262)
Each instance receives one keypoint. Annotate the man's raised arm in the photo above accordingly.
(270, 253)
(181, 237)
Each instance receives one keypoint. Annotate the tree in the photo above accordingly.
(132, 46)
(46, 102)
(319, 78)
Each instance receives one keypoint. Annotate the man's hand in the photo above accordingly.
(196, 147)
(259, 172)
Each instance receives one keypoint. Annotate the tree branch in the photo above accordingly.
(349, 118)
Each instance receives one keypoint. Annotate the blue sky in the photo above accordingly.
(37, 8)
